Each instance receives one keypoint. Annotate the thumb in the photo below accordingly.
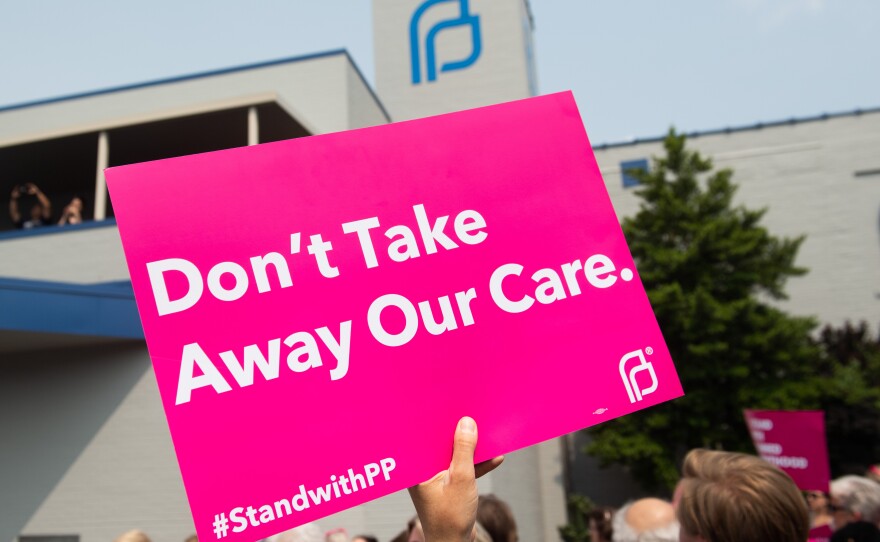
(464, 445)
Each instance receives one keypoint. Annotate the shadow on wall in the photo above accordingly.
(52, 403)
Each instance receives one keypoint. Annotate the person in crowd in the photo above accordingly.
(819, 504)
(39, 213)
(364, 538)
(403, 536)
(481, 534)
(447, 503)
(495, 516)
(133, 535)
(72, 213)
(192, 538)
(874, 473)
(645, 520)
(857, 531)
(599, 522)
(416, 533)
(731, 497)
(722, 497)
(309, 532)
(855, 498)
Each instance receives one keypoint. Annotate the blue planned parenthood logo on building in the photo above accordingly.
(465, 18)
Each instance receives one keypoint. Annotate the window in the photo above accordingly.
(49, 538)
(629, 180)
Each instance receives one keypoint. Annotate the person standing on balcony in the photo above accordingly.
(72, 213)
(39, 213)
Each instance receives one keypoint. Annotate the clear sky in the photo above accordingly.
(636, 67)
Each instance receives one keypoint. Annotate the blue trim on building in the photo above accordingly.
(103, 310)
(178, 79)
(730, 130)
(49, 230)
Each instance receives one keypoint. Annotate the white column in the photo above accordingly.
(100, 182)
(253, 126)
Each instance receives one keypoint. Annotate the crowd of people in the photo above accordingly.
(721, 497)
(40, 211)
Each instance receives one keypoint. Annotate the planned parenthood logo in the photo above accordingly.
(629, 375)
(416, 42)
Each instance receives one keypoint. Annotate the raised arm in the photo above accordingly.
(14, 213)
(447, 503)
(45, 204)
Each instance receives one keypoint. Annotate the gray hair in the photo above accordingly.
(310, 532)
(621, 531)
(858, 494)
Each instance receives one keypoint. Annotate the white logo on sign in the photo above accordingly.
(629, 377)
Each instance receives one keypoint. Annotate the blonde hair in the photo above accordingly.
(730, 497)
(481, 534)
(133, 536)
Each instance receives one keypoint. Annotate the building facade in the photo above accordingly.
(89, 454)
(86, 452)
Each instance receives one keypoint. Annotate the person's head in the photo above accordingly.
(133, 536)
(817, 501)
(854, 498)
(731, 497)
(414, 531)
(36, 211)
(874, 472)
(481, 534)
(76, 203)
(599, 520)
(495, 516)
(645, 520)
(308, 532)
(857, 531)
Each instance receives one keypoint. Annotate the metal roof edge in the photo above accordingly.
(175, 79)
(735, 129)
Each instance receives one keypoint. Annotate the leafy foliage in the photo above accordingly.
(578, 528)
(710, 270)
(848, 380)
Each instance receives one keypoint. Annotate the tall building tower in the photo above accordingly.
(439, 56)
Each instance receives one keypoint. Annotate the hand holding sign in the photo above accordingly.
(447, 503)
(476, 247)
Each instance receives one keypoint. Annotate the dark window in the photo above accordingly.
(625, 167)
(49, 538)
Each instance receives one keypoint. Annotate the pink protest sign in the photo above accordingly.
(794, 441)
(320, 312)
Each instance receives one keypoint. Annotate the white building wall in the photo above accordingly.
(804, 173)
(363, 108)
(83, 256)
(314, 91)
(86, 450)
(501, 73)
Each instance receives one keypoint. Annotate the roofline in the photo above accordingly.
(730, 130)
(199, 75)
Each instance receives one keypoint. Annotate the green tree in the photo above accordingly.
(711, 271)
(848, 383)
(578, 527)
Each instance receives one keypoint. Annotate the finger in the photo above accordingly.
(488, 466)
(464, 444)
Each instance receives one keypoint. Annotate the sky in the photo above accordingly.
(636, 67)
